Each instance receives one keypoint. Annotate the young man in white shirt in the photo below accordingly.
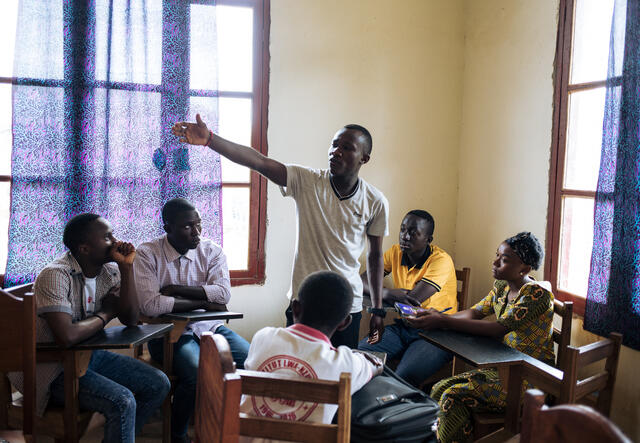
(303, 349)
(338, 213)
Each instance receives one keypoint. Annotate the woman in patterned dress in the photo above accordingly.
(524, 313)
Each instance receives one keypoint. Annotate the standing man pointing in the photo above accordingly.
(338, 213)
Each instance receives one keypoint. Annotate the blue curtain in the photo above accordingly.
(613, 298)
(97, 86)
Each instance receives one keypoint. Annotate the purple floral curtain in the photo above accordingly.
(97, 86)
(613, 299)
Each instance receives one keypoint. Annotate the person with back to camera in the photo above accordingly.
(304, 349)
(524, 314)
(337, 213)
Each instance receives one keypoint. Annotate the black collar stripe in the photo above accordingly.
(344, 197)
(404, 261)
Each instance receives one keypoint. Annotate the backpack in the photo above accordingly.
(388, 409)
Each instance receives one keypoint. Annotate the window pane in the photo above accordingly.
(576, 239)
(235, 225)
(6, 137)
(584, 139)
(235, 48)
(592, 29)
(4, 224)
(204, 72)
(235, 125)
(8, 20)
(39, 42)
(134, 37)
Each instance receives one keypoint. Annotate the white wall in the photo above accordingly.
(394, 67)
(505, 151)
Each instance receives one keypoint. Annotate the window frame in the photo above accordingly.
(254, 274)
(562, 90)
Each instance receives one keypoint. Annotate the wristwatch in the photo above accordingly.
(380, 312)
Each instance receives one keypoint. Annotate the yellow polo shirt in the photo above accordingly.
(437, 270)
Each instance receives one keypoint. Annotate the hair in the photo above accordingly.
(77, 229)
(527, 247)
(368, 140)
(173, 207)
(425, 216)
(326, 299)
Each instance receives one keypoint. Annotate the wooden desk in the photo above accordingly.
(485, 352)
(76, 360)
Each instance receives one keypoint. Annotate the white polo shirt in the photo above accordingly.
(332, 230)
(306, 352)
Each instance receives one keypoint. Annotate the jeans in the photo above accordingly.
(347, 337)
(186, 356)
(419, 359)
(126, 391)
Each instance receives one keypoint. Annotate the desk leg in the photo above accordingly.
(514, 391)
(75, 365)
(167, 365)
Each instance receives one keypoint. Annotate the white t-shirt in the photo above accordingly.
(332, 231)
(307, 352)
(89, 295)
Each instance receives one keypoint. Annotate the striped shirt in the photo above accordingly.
(59, 288)
(158, 264)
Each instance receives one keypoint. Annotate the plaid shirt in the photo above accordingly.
(158, 264)
(59, 288)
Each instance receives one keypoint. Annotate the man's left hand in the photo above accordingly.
(122, 253)
(376, 329)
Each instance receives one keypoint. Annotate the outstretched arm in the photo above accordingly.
(198, 134)
(469, 321)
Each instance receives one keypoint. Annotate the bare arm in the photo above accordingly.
(67, 333)
(128, 306)
(186, 305)
(198, 134)
(375, 273)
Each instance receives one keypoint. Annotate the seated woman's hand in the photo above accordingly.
(429, 319)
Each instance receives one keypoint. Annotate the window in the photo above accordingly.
(241, 90)
(582, 55)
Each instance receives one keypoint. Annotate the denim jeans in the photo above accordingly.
(126, 391)
(347, 337)
(419, 359)
(186, 356)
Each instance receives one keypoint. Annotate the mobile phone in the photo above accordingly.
(407, 309)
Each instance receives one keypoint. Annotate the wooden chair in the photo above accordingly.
(487, 423)
(59, 423)
(18, 353)
(220, 388)
(565, 424)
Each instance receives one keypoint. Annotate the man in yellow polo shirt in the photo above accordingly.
(423, 275)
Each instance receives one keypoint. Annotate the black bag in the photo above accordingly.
(388, 409)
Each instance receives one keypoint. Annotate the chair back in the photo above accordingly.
(463, 275)
(220, 388)
(562, 335)
(573, 388)
(565, 423)
(18, 353)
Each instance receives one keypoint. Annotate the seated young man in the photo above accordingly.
(424, 276)
(76, 296)
(180, 272)
(304, 348)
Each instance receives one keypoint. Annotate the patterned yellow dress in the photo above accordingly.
(529, 321)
